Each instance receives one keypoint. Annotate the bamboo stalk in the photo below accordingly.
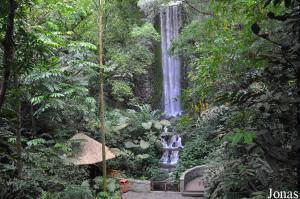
(101, 91)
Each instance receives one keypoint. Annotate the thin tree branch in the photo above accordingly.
(199, 11)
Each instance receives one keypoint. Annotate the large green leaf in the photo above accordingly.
(143, 156)
(157, 125)
(130, 144)
(236, 138)
(147, 125)
(249, 137)
(121, 127)
(144, 144)
(165, 123)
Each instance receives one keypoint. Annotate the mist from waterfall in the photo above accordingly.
(170, 21)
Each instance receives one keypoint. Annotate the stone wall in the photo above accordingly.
(191, 174)
(140, 186)
(143, 87)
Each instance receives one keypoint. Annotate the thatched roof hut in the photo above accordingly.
(90, 151)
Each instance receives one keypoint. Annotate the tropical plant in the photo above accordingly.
(135, 135)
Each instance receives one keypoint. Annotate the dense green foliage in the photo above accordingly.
(54, 84)
(135, 134)
(241, 96)
(241, 56)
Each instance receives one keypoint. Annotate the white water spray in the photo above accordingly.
(171, 149)
(170, 22)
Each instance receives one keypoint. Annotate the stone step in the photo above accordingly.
(193, 194)
(155, 195)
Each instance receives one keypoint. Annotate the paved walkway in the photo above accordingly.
(156, 195)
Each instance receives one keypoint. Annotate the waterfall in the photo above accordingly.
(171, 148)
(170, 22)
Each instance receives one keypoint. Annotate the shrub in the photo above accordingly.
(135, 133)
(195, 153)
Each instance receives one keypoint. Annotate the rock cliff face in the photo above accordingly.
(157, 76)
(148, 87)
(143, 87)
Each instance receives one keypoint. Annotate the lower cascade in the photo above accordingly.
(171, 149)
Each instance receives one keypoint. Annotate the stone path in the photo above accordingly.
(156, 195)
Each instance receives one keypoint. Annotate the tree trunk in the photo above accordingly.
(19, 164)
(101, 92)
(8, 45)
(33, 122)
(18, 139)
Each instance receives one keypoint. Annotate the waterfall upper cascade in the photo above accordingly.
(171, 149)
(170, 22)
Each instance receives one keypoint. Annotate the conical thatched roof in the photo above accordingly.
(90, 151)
